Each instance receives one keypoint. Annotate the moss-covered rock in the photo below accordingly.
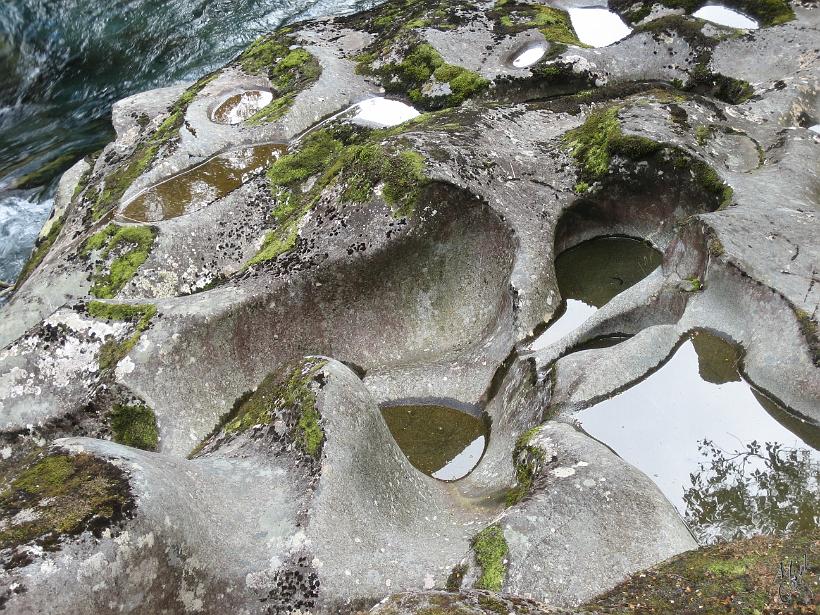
(285, 395)
(357, 161)
(528, 460)
(135, 425)
(289, 67)
(512, 17)
(120, 251)
(113, 351)
(48, 496)
(599, 140)
(701, 79)
(422, 75)
(490, 549)
(751, 576)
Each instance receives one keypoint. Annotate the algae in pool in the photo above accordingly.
(201, 185)
(732, 462)
(590, 274)
(442, 442)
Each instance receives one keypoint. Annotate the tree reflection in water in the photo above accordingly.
(761, 489)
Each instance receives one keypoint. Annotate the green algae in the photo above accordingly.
(121, 251)
(41, 249)
(135, 425)
(46, 172)
(141, 315)
(62, 495)
(490, 548)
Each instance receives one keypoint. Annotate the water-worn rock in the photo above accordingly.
(257, 333)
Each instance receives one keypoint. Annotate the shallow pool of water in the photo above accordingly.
(529, 56)
(240, 107)
(442, 442)
(382, 112)
(724, 16)
(201, 185)
(719, 450)
(598, 27)
(592, 273)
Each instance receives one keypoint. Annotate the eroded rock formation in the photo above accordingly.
(244, 323)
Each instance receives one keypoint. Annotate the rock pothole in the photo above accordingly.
(239, 107)
(590, 274)
(722, 451)
(442, 441)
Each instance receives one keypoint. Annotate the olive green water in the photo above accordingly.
(442, 442)
(201, 185)
(729, 458)
(590, 274)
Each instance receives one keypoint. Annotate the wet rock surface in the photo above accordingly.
(221, 361)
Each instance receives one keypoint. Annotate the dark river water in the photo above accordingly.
(63, 63)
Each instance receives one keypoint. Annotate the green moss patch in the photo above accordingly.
(291, 69)
(135, 425)
(599, 139)
(140, 160)
(555, 24)
(48, 496)
(594, 143)
(358, 163)
(112, 351)
(120, 250)
(285, 394)
(751, 576)
(490, 548)
(528, 460)
(423, 66)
